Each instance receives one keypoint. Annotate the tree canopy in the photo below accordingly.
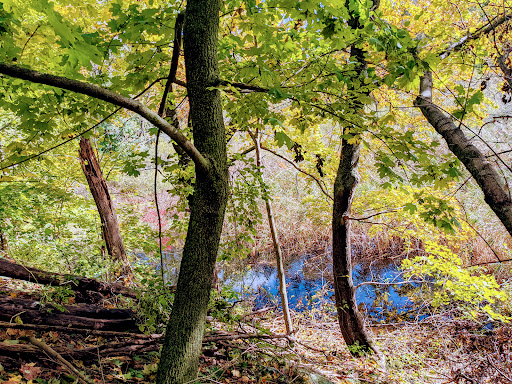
(416, 93)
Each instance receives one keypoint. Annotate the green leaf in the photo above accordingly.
(411, 208)
(282, 138)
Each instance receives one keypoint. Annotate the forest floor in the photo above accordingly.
(441, 348)
(435, 350)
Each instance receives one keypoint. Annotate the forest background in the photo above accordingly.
(272, 110)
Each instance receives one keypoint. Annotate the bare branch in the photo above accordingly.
(389, 283)
(52, 353)
(322, 188)
(375, 214)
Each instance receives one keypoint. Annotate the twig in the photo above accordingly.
(52, 353)
(101, 365)
(96, 332)
(390, 283)
(262, 310)
(300, 170)
(498, 370)
(243, 336)
(375, 214)
(489, 262)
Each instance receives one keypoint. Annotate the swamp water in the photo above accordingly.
(308, 289)
(309, 284)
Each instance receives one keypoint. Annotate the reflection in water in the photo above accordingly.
(309, 284)
(263, 281)
(378, 301)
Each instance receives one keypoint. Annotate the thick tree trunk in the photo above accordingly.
(473, 159)
(76, 283)
(351, 322)
(99, 191)
(277, 248)
(182, 343)
(349, 317)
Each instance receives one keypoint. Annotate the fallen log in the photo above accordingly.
(76, 283)
(22, 352)
(131, 347)
(79, 316)
(55, 355)
(80, 331)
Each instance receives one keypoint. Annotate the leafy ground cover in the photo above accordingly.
(441, 348)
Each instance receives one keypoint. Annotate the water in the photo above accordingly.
(263, 281)
(379, 302)
(309, 284)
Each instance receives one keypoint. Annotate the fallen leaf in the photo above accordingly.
(16, 379)
(30, 371)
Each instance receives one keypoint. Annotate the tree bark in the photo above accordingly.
(491, 184)
(277, 248)
(82, 316)
(99, 190)
(76, 283)
(3, 243)
(351, 322)
(183, 338)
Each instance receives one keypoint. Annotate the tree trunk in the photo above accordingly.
(82, 316)
(277, 248)
(182, 343)
(475, 162)
(349, 317)
(507, 71)
(76, 283)
(99, 191)
(3, 243)
(351, 322)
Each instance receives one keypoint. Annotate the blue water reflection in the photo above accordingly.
(309, 284)
(378, 301)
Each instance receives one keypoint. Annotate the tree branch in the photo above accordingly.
(110, 97)
(54, 354)
(489, 27)
(299, 169)
(178, 27)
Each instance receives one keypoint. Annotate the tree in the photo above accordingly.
(492, 185)
(185, 330)
(274, 55)
(99, 190)
(350, 320)
(184, 334)
(275, 241)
